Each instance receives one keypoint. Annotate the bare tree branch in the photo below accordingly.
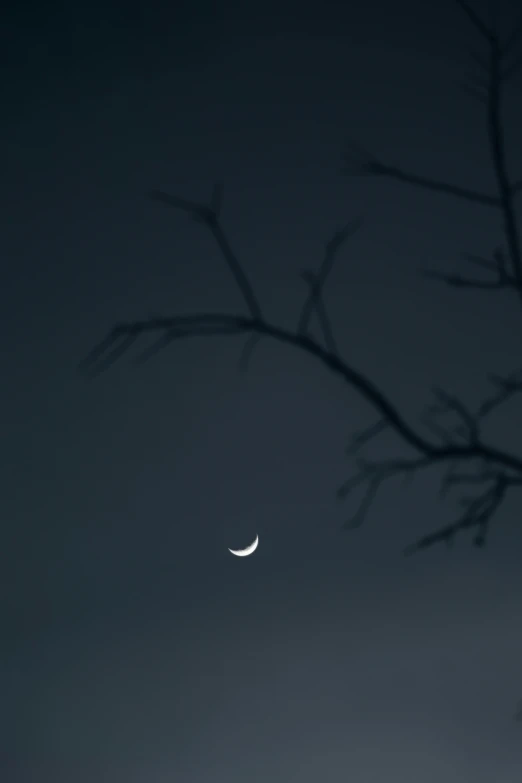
(182, 334)
(101, 359)
(502, 278)
(210, 217)
(507, 387)
(318, 281)
(475, 20)
(360, 439)
(222, 323)
(371, 167)
(478, 514)
(364, 162)
(445, 436)
(455, 444)
(357, 164)
(498, 157)
(448, 403)
(457, 281)
(248, 350)
(511, 68)
(322, 314)
(513, 39)
(496, 264)
(331, 249)
(372, 475)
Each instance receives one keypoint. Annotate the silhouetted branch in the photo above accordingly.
(100, 358)
(502, 279)
(209, 323)
(364, 162)
(475, 20)
(457, 281)
(209, 215)
(445, 436)
(185, 326)
(357, 164)
(212, 330)
(448, 403)
(248, 350)
(508, 387)
(513, 39)
(318, 281)
(457, 448)
(322, 315)
(511, 68)
(498, 157)
(478, 513)
(360, 439)
(496, 264)
(372, 475)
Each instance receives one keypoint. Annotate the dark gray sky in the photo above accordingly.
(134, 647)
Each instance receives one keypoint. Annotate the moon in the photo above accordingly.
(248, 550)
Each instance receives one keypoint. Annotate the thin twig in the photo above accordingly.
(498, 156)
(331, 249)
(247, 351)
(477, 515)
(209, 216)
(320, 309)
(373, 167)
(475, 20)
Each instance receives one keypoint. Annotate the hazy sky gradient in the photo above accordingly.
(134, 646)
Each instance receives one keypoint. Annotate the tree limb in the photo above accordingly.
(513, 39)
(318, 282)
(478, 513)
(205, 324)
(210, 217)
(356, 164)
(498, 156)
(475, 20)
(458, 445)
(322, 315)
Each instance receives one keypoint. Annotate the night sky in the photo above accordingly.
(134, 646)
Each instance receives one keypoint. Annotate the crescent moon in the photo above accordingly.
(248, 550)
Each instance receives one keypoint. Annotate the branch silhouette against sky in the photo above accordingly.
(482, 473)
